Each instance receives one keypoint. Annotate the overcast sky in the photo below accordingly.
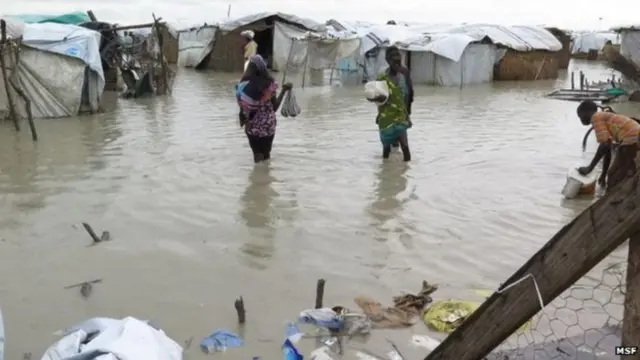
(571, 14)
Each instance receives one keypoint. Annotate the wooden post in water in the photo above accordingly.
(165, 74)
(319, 293)
(6, 49)
(631, 321)
(573, 80)
(581, 80)
(240, 311)
(568, 256)
(23, 95)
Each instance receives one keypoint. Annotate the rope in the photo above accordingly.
(290, 106)
(535, 284)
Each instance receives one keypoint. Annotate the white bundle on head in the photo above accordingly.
(375, 89)
(248, 34)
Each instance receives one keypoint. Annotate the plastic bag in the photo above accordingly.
(374, 89)
(290, 106)
(446, 315)
(126, 339)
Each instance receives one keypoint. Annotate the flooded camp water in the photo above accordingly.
(195, 224)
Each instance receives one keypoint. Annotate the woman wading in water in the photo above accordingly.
(259, 101)
(393, 115)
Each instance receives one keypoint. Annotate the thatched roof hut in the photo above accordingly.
(273, 33)
(527, 65)
(532, 56)
(564, 55)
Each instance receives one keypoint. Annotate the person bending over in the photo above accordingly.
(611, 130)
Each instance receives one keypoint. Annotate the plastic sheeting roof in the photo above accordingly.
(246, 20)
(68, 40)
(450, 41)
(582, 43)
(15, 29)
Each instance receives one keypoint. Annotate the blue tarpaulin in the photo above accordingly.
(74, 18)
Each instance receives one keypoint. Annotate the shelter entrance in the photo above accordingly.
(264, 39)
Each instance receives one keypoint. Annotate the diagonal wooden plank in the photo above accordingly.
(568, 256)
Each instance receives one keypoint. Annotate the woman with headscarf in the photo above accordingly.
(258, 97)
(393, 115)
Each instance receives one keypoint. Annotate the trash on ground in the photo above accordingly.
(324, 318)
(220, 340)
(405, 311)
(290, 351)
(321, 353)
(354, 323)
(425, 342)
(395, 353)
(446, 315)
(129, 338)
(293, 333)
(364, 356)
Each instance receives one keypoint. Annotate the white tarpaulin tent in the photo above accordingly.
(195, 44)
(60, 70)
(447, 55)
(584, 42)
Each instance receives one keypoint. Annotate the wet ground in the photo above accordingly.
(195, 224)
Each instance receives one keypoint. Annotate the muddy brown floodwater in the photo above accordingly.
(195, 224)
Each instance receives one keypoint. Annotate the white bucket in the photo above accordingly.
(575, 181)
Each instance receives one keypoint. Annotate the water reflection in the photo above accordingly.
(258, 214)
(387, 205)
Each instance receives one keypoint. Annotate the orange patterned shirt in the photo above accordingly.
(615, 127)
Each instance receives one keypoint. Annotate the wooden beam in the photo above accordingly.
(631, 321)
(568, 256)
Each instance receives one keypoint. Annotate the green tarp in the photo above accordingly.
(74, 18)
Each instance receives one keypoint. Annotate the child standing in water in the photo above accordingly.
(393, 115)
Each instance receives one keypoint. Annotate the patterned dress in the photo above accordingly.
(393, 120)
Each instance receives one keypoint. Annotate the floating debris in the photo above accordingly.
(86, 289)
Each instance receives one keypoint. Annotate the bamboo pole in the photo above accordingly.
(3, 48)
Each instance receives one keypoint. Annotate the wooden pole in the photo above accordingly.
(165, 74)
(92, 16)
(4, 47)
(239, 305)
(132, 27)
(286, 66)
(573, 80)
(23, 95)
(319, 293)
(568, 256)
(27, 104)
(631, 321)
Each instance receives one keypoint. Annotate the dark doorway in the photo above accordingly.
(264, 39)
